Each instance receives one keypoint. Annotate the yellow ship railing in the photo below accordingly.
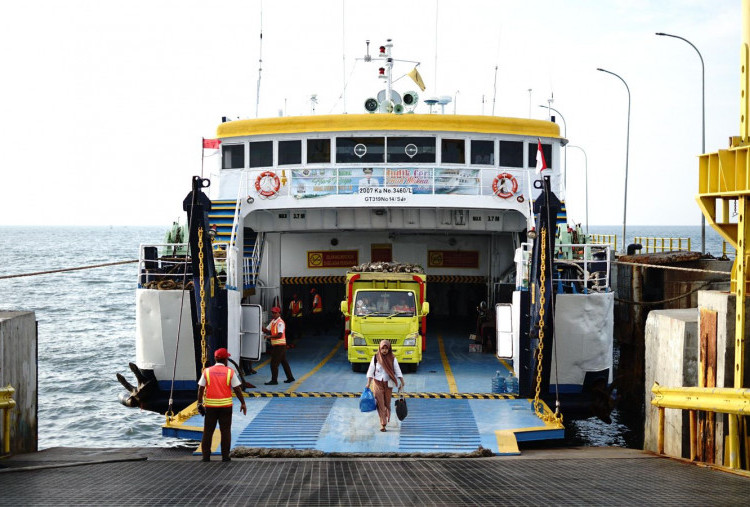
(6, 404)
(654, 244)
(603, 239)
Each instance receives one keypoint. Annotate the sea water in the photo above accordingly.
(87, 329)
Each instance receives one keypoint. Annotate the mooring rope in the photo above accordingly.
(68, 269)
(675, 268)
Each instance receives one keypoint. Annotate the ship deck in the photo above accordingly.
(451, 408)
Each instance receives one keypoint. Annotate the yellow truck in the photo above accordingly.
(385, 306)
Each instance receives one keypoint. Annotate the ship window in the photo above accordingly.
(453, 151)
(232, 156)
(546, 149)
(511, 154)
(411, 149)
(290, 152)
(261, 154)
(360, 149)
(483, 152)
(318, 151)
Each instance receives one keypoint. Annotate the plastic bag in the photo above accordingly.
(367, 401)
(401, 410)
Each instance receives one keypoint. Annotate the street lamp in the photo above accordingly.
(586, 171)
(703, 122)
(565, 135)
(627, 149)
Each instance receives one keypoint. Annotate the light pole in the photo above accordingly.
(586, 172)
(565, 135)
(627, 150)
(703, 121)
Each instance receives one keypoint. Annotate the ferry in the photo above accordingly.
(519, 330)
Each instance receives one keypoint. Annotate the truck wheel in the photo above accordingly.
(357, 367)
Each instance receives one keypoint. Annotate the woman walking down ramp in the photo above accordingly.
(383, 375)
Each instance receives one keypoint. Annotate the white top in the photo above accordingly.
(235, 381)
(377, 372)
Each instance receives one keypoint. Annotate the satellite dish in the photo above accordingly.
(431, 101)
(411, 99)
(371, 105)
(398, 109)
(445, 99)
(395, 97)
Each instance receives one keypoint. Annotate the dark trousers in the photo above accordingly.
(224, 417)
(294, 331)
(278, 356)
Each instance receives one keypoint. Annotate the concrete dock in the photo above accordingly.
(562, 476)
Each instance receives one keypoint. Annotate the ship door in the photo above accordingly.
(250, 332)
(504, 326)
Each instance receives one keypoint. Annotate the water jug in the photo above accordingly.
(511, 385)
(498, 383)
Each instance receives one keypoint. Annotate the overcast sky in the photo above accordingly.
(103, 104)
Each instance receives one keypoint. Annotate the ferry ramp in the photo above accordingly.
(451, 407)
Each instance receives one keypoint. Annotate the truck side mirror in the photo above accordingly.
(425, 308)
(345, 307)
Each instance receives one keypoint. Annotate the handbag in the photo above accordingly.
(401, 410)
(367, 401)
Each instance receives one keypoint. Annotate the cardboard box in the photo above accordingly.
(473, 337)
(475, 347)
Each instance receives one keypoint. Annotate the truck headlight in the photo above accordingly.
(410, 340)
(358, 340)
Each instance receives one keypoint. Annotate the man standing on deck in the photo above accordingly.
(217, 383)
(276, 332)
(317, 311)
(295, 320)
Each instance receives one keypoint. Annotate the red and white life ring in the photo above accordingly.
(267, 183)
(500, 191)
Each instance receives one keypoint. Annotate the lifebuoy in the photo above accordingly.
(503, 192)
(267, 183)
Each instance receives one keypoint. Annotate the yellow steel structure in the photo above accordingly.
(723, 179)
(6, 404)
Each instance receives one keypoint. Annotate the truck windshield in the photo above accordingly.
(385, 303)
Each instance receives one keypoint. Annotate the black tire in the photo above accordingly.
(357, 367)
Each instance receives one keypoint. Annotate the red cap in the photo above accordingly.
(221, 353)
(276, 309)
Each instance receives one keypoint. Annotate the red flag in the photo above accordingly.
(211, 144)
(541, 164)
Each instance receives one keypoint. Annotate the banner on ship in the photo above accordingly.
(332, 258)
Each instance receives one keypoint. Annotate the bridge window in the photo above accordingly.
(360, 149)
(411, 149)
(318, 151)
(511, 154)
(483, 152)
(546, 149)
(261, 154)
(290, 152)
(232, 156)
(453, 151)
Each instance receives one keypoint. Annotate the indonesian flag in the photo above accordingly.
(211, 144)
(541, 164)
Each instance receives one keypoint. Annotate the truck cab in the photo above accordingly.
(385, 306)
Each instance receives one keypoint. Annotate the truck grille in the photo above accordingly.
(376, 341)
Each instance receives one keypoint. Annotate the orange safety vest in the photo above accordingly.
(296, 308)
(317, 304)
(274, 328)
(218, 386)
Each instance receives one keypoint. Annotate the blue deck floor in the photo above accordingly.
(320, 410)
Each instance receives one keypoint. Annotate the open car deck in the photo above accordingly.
(451, 406)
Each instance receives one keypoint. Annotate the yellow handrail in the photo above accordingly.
(723, 400)
(603, 239)
(654, 244)
(6, 403)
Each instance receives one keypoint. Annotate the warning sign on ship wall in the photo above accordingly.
(332, 259)
(453, 259)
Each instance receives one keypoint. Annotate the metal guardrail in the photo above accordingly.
(603, 239)
(723, 400)
(6, 404)
(593, 274)
(656, 244)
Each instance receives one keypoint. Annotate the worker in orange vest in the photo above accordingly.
(295, 320)
(316, 316)
(217, 383)
(276, 333)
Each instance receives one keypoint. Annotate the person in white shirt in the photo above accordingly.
(368, 180)
(383, 375)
